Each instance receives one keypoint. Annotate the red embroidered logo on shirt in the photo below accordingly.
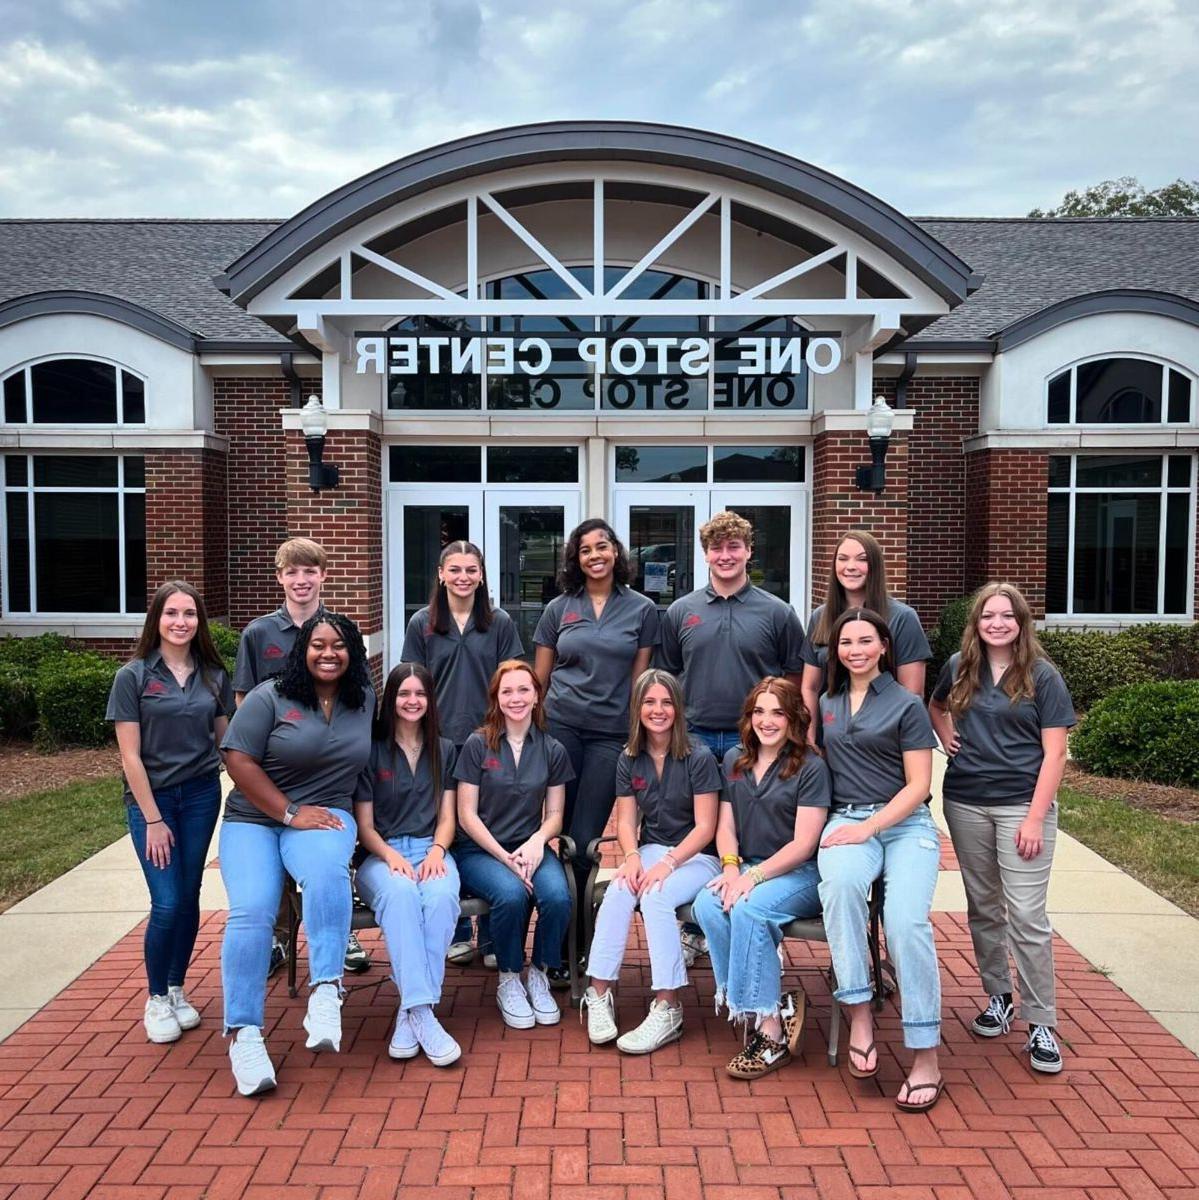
(638, 782)
(829, 719)
(293, 714)
(273, 651)
(155, 688)
(491, 764)
(384, 775)
(569, 618)
(693, 620)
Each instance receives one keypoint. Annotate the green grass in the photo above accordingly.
(1162, 853)
(47, 833)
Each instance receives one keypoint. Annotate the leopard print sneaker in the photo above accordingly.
(792, 1011)
(760, 1056)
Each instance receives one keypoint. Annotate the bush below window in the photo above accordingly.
(72, 696)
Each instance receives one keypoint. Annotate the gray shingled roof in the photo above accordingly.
(168, 266)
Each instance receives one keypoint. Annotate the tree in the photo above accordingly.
(1127, 197)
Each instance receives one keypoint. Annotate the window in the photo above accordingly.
(727, 464)
(412, 463)
(1120, 391)
(74, 391)
(1119, 534)
(75, 534)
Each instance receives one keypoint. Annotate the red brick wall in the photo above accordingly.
(838, 505)
(246, 411)
(1006, 516)
(186, 523)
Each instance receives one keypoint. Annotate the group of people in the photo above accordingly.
(759, 772)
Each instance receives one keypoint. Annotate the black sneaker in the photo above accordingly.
(559, 977)
(1044, 1053)
(357, 959)
(278, 956)
(996, 1018)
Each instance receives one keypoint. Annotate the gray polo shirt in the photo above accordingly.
(511, 795)
(667, 804)
(865, 751)
(1001, 752)
(909, 641)
(721, 646)
(178, 739)
(593, 668)
(764, 811)
(462, 665)
(264, 648)
(404, 803)
(310, 760)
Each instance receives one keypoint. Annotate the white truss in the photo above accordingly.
(456, 300)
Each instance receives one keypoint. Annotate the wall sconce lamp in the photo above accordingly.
(314, 421)
(879, 420)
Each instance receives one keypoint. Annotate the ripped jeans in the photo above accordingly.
(907, 855)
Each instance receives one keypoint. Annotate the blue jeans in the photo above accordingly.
(512, 906)
(190, 810)
(719, 741)
(743, 942)
(907, 856)
(253, 860)
(417, 918)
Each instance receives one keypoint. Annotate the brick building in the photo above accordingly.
(525, 327)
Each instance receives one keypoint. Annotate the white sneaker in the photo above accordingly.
(160, 1021)
(322, 1022)
(601, 1016)
(490, 961)
(183, 1008)
(251, 1064)
(440, 1049)
(403, 1041)
(695, 945)
(545, 1007)
(513, 1001)
(662, 1024)
(461, 954)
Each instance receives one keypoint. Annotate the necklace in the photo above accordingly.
(412, 753)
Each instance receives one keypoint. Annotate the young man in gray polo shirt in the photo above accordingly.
(301, 566)
(721, 640)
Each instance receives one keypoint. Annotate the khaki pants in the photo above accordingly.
(1005, 902)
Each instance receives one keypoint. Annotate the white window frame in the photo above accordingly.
(31, 491)
(30, 423)
(1073, 491)
(1166, 367)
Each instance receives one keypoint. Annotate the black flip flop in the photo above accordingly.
(909, 1087)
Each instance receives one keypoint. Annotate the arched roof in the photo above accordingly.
(96, 304)
(615, 141)
(1112, 300)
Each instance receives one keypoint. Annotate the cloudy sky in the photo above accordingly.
(253, 108)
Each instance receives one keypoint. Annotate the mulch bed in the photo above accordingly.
(1177, 803)
(24, 770)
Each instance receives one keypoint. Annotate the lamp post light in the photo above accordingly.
(314, 421)
(879, 421)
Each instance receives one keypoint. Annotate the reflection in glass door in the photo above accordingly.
(660, 529)
(777, 564)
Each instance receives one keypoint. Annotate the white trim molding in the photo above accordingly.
(130, 441)
(1125, 437)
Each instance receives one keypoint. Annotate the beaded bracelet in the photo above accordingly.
(755, 873)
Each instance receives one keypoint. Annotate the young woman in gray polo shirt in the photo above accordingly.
(878, 744)
(1001, 710)
(857, 578)
(170, 706)
(666, 795)
(295, 749)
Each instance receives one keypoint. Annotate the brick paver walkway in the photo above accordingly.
(88, 1108)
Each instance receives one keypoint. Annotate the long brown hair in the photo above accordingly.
(680, 743)
(796, 746)
(492, 728)
(385, 722)
(1018, 680)
(835, 599)
(838, 672)
(439, 601)
(203, 649)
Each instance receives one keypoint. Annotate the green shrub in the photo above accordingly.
(1093, 663)
(225, 640)
(18, 702)
(72, 695)
(1143, 731)
(946, 638)
(28, 653)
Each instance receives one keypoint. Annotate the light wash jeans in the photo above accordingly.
(253, 860)
(743, 943)
(417, 918)
(1005, 902)
(657, 913)
(907, 856)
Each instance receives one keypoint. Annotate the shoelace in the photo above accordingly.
(1040, 1037)
(998, 1009)
(326, 1004)
(252, 1055)
(512, 987)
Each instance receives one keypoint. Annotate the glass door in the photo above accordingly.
(660, 527)
(525, 532)
(778, 564)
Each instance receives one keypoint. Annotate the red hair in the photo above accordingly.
(492, 728)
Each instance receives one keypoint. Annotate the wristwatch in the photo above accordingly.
(289, 813)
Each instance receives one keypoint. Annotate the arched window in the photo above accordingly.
(1120, 391)
(74, 391)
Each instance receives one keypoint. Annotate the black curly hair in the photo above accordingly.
(354, 687)
(570, 577)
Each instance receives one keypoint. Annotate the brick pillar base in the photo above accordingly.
(838, 505)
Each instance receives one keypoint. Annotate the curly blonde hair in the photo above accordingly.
(724, 526)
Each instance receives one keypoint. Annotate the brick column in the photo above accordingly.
(838, 505)
(1007, 510)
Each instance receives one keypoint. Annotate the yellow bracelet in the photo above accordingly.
(756, 874)
(730, 860)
